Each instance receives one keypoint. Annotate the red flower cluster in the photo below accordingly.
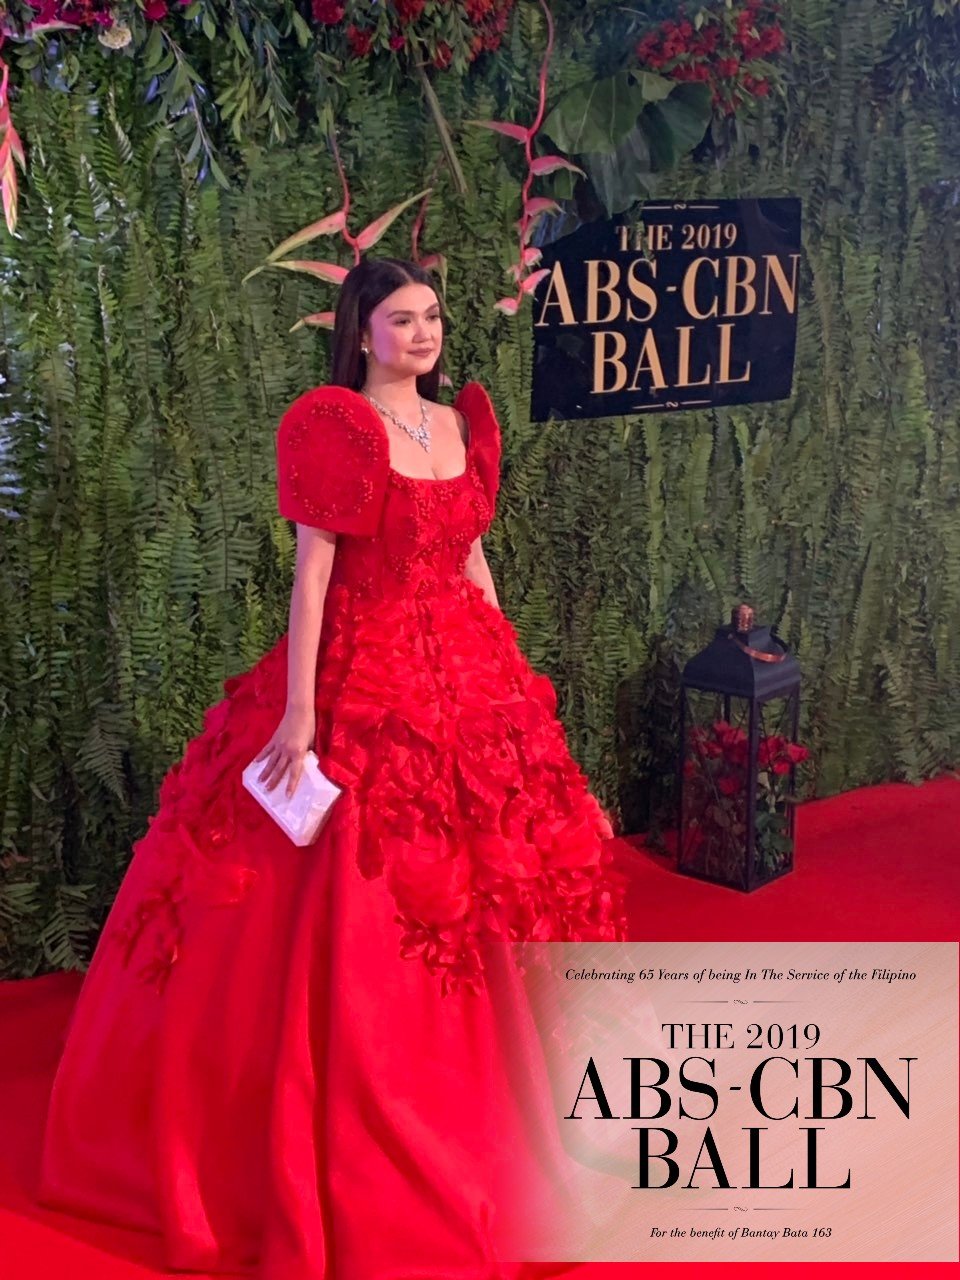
(408, 11)
(84, 13)
(779, 756)
(360, 40)
(328, 12)
(90, 13)
(716, 54)
(728, 743)
(483, 23)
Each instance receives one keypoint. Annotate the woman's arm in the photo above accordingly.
(315, 548)
(285, 752)
(478, 571)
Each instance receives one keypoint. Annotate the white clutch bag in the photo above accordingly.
(302, 815)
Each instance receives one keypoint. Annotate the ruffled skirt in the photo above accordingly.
(273, 1045)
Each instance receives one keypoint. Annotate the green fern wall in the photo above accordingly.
(142, 559)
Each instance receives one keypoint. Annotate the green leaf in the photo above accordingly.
(676, 125)
(218, 175)
(153, 48)
(653, 87)
(302, 30)
(621, 178)
(594, 116)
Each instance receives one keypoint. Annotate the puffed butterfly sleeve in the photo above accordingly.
(475, 404)
(333, 462)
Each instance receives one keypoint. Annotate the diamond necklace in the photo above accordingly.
(421, 434)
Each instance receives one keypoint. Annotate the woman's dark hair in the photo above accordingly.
(364, 287)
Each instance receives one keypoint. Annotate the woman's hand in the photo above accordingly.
(285, 750)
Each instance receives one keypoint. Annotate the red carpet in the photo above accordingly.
(880, 863)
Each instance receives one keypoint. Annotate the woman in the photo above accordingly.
(277, 1047)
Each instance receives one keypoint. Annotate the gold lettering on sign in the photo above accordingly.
(726, 342)
(557, 285)
(683, 360)
(735, 283)
(642, 291)
(649, 362)
(602, 357)
(788, 292)
(689, 290)
(657, 236)
(609, 289)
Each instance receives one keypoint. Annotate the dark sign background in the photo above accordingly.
(745, 351)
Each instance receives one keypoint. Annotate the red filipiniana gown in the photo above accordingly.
(318, 1063)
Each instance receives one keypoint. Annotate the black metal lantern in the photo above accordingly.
(739, 712)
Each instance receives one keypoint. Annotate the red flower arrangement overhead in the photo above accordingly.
(452, 34)
(716, 48)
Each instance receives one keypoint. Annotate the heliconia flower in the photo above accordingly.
(508, 305)
(515, 131)
(532, 280)
(549, 164)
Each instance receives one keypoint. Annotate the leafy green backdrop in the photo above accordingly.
(142, 557)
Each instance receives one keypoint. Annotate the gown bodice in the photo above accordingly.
(399, 536)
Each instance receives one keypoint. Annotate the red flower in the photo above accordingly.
(328, 12)
(360, 40)
(154, 10)
(429, 883)
(728, 785)
(409, 10)
(397, 41)
(443, 56)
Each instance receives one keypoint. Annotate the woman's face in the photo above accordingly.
(404, 332)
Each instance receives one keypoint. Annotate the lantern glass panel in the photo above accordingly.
(737, 787)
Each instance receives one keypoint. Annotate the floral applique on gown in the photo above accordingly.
(318, 1063)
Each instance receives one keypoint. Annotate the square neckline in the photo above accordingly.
(402, 475)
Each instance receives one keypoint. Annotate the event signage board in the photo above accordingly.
(686, 306)
(765, 1102)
